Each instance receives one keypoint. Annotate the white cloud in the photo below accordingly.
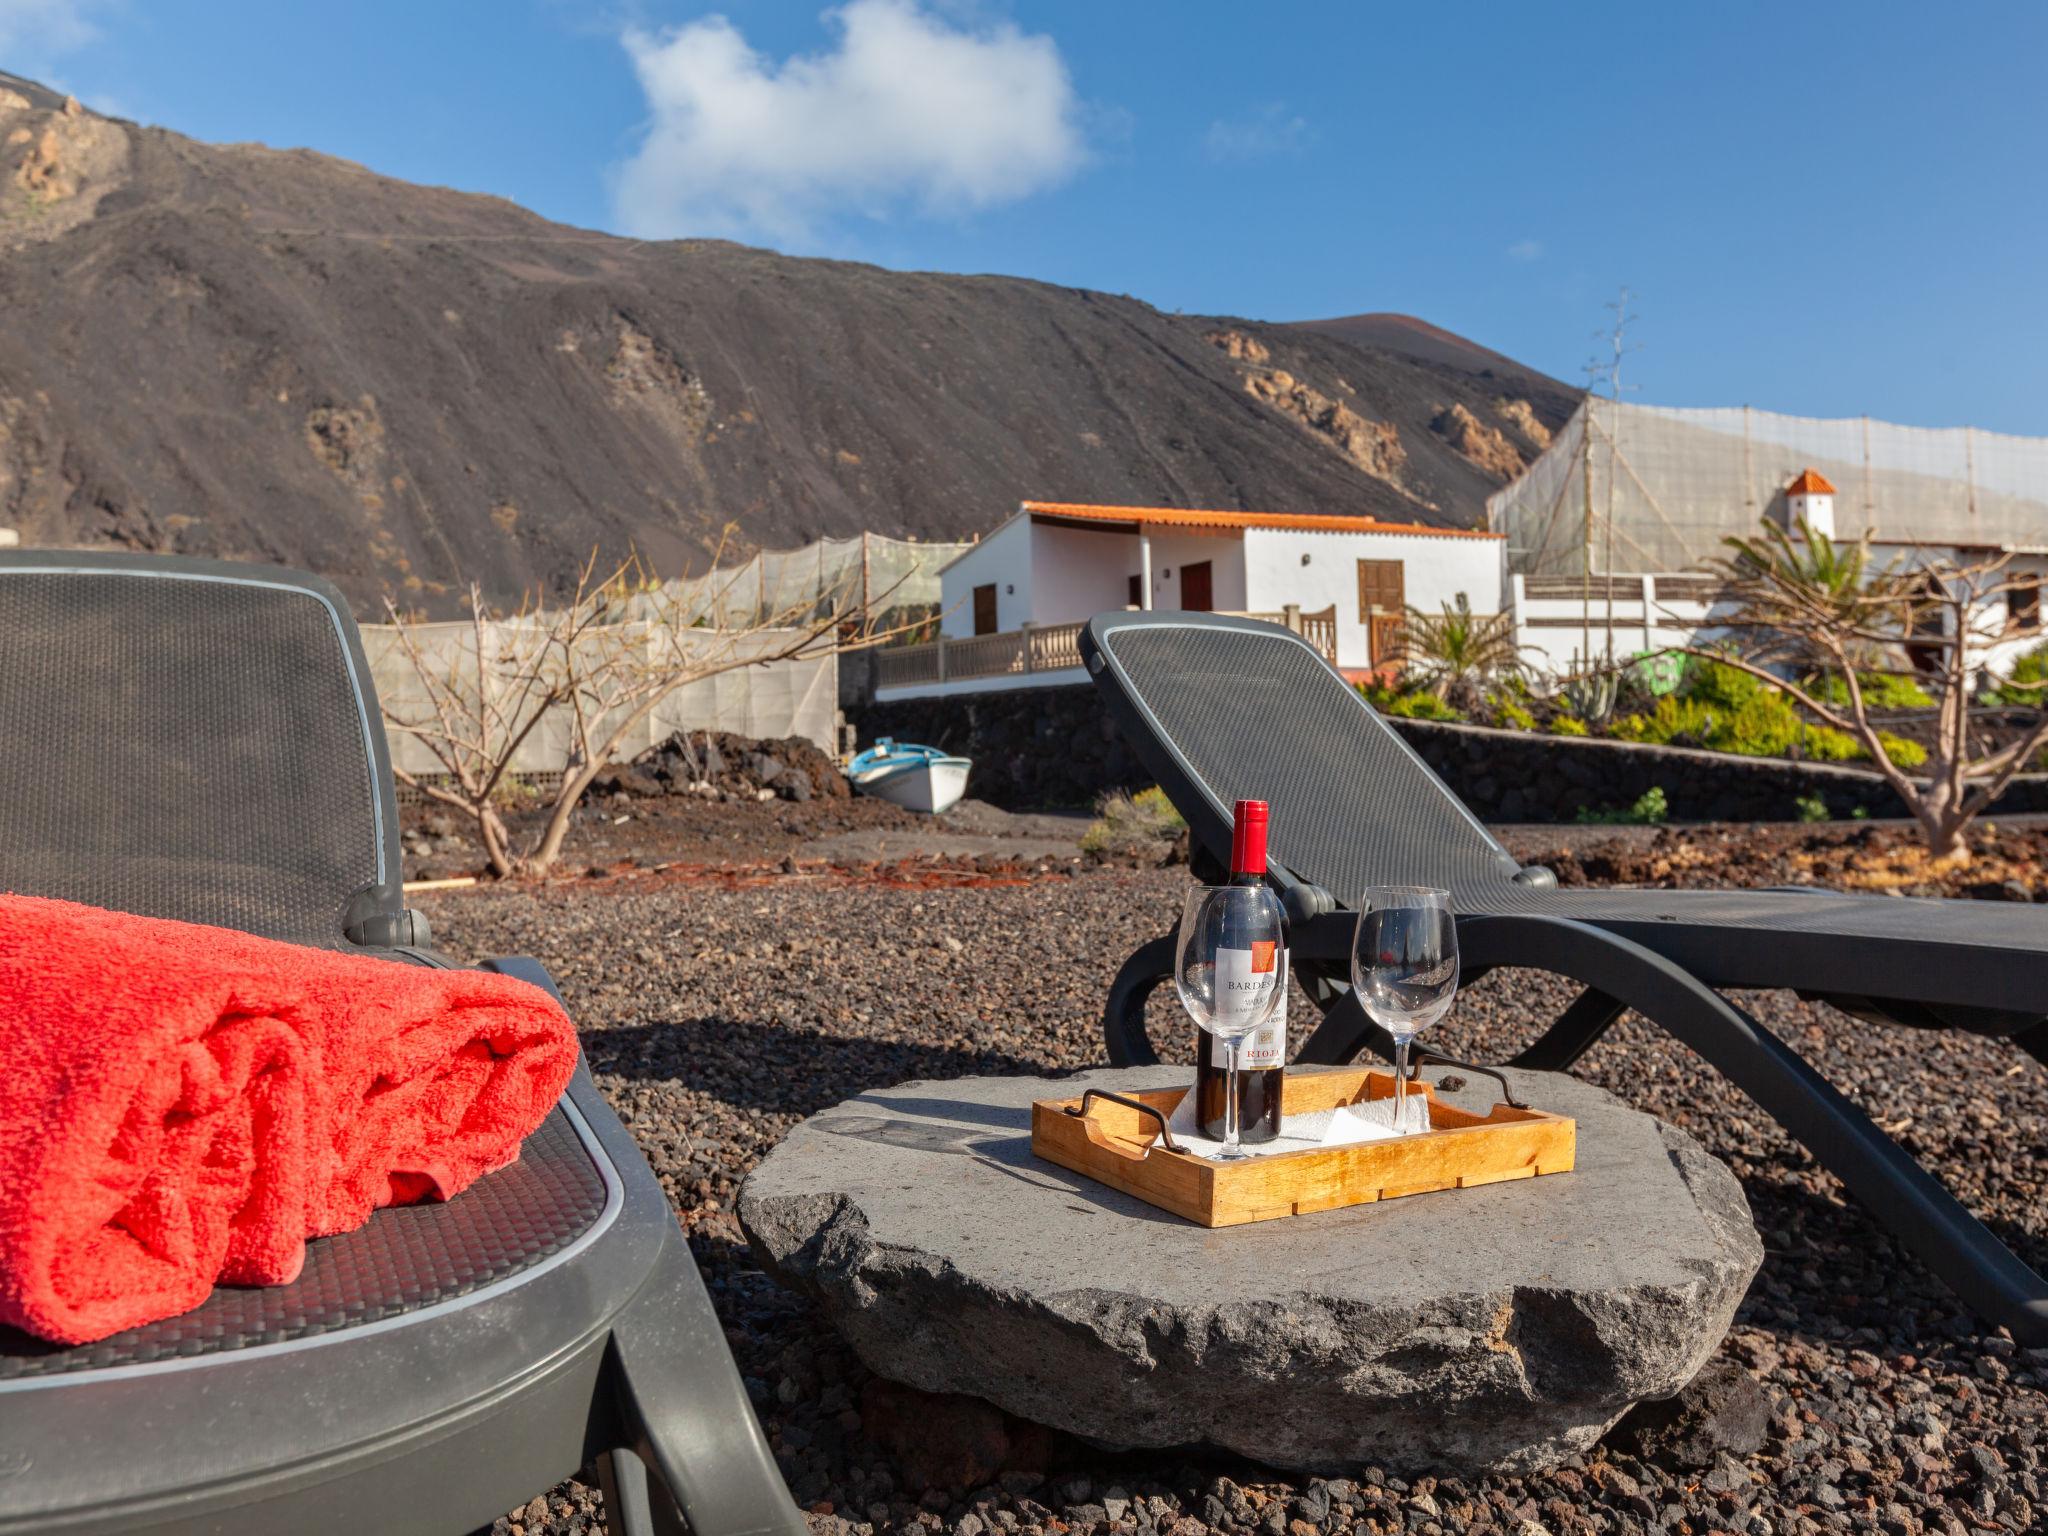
(1526, 250)
(1272, 130)
(906, 111)
(33, 32)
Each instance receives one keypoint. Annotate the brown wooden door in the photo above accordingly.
(985, 609)
(1137, 591)
(1197, 594)
(1381, 588)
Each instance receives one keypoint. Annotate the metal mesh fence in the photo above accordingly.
(1639, 488)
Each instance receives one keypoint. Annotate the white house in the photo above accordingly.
(1013, 604)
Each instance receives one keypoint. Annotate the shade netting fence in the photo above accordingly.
(1640, 488)
(887, 578)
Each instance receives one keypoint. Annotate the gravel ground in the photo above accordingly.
(717, 1014)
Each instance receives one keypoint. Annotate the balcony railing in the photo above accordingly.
(1043, 648)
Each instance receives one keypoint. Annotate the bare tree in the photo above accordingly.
(591, 669)
(1805, 602)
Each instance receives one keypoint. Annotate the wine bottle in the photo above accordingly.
(1262, 1059)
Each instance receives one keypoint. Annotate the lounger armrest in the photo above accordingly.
(525, 968)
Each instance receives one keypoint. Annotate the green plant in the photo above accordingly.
(1130, 822)
(1650, 809)
(1811, 808)
(1861, 813)
(2030, 668)
(1881, 690)
(1903, 751)
(1509, 715)
(1407, 703)
(1456, 653)
(1593, 695)
(1424, 706)
(1567, 725)
(1724, 709)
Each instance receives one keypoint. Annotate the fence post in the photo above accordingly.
(941, 644)
(1030, 656)
(1290, 615)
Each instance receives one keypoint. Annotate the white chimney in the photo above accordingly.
(1811, 496)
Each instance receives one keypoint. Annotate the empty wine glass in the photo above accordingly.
(1229, 971)
(1404, 963)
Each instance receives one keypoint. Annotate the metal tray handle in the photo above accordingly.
(1081, 1112)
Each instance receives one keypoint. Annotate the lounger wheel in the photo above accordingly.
(1123, 1013)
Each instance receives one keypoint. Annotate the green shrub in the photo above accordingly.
(1408, 703)
(1724, 709)
(1902, 752)
(1811, 808)
(1649, 810)
(2032, 667)
(1510, 715)
(1567, 725)
(1714, 682)
(1126, 823)
(1881, 690)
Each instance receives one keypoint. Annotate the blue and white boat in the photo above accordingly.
(916, 778)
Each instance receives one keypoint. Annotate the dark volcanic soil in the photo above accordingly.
(234, 350)
(717, 1013)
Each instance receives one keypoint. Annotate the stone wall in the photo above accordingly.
(1048, 747)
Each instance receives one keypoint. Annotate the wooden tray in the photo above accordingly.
(1109, 1139)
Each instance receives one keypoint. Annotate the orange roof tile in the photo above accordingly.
(1811, 482)
(1188, 517)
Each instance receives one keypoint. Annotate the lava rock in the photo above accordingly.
(1720, 1409)
(1502, 1327)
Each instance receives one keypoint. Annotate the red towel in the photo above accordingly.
(181, 1105)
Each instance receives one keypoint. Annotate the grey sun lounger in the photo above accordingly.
(1220, 708)
(201, 741)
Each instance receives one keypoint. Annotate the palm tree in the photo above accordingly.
(1455, 654)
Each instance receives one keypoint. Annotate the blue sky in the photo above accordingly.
(1829, 209)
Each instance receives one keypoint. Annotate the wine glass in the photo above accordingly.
(1228, 969)
(1404, 963)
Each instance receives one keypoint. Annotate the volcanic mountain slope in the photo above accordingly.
(238, 351)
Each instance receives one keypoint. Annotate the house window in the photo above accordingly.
(1381, 589)
(985, 609)
(2023, 605)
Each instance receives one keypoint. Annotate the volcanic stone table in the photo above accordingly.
(1501, 1327)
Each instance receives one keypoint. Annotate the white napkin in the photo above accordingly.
(1343, 1126)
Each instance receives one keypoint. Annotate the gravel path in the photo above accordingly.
(715, 1017)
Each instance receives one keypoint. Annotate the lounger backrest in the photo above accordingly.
(1220, 709)
(193, 740)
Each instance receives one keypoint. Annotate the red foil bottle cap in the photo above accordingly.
(1248, 838)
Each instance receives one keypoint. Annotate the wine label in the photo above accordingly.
(1244, 979)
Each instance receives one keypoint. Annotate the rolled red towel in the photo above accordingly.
(181, 1105)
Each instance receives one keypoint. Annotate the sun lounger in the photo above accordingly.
(1219, 708)
(199, 740)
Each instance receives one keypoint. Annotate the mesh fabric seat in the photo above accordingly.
(1221, 709)
(201, 741)
(201, 750)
